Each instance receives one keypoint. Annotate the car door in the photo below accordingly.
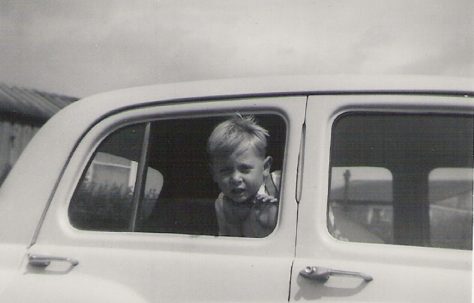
(385, 211)
(132, 218)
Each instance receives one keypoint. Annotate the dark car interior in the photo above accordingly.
(178, 151)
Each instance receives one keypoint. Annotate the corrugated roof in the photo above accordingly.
(31, 103)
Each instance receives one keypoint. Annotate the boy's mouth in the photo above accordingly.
(238, 191)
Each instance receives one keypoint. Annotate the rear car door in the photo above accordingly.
(385, 212)
(133, 219)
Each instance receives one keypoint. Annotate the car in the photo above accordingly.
(114, 201)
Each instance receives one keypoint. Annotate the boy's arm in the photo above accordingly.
(271, 192)
(268, 203)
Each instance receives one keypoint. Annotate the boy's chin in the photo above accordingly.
(241, 200)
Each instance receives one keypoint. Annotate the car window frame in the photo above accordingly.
(290, 108)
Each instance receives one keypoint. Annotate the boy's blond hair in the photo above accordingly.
(228, 136)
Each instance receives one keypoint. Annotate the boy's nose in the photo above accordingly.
(236, 178)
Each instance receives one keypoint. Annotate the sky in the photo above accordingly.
(79, 48)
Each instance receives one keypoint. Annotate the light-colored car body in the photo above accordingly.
(103, 266)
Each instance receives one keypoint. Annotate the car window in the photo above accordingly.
(104, 198)
(402, 179)
(156, 177)
(363, 197)
(450, 196)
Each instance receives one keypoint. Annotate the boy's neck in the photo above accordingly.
(249, 202)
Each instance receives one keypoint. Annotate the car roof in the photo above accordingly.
(292, 85)
(94, 107)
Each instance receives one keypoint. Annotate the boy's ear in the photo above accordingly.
(267, 164)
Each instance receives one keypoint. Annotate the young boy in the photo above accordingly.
(248, 203)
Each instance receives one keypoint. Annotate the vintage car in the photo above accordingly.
(113, 200)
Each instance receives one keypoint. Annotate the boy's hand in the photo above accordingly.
(265, 198)
(266, 210)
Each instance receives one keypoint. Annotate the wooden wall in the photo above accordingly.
(14, 136)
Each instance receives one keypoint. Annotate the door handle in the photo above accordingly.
(322, 274)
(45, 261)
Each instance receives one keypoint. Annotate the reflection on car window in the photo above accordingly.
(155, 177)
(363, 197)
(450, 196)
(104, 197)
(402, 179)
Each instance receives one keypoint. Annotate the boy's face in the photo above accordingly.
(240, 174)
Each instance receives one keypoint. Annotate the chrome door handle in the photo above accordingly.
(322, 274)
(44, 261)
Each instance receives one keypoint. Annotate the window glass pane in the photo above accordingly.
(361, 202)
(450, 196)
(153, 187)
(103, 199)
(404, 178)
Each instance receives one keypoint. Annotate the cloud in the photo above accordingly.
(84, 47)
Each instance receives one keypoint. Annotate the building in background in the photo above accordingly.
(22, 113)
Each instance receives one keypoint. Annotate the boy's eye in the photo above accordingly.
(245, 169)
(225, 170)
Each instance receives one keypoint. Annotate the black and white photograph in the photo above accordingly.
(236, 151)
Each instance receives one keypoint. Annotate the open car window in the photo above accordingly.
(155, 177)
